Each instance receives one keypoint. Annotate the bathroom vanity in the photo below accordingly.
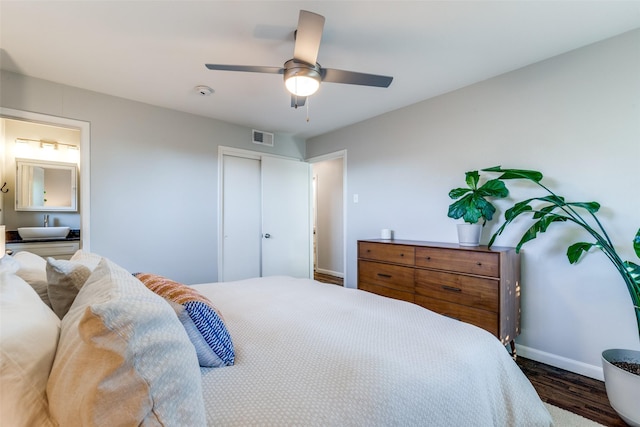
(59, 248)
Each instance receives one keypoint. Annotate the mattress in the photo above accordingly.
(315, 354)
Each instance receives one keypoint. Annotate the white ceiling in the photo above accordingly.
(155, 51)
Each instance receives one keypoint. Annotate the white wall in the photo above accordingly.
(576, 118)
(153, 175)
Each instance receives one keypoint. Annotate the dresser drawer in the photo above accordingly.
(462, 261)
(486, 320)
(473, 291)
(387, 292)
(390, 276)
(398, 254)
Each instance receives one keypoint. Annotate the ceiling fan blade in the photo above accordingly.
(298, 101)
(308, 36)
(248, 68)
(353, 78)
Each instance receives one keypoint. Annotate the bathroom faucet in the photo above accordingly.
(46, 220)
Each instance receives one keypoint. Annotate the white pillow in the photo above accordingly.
(28, 341)
(124, 358)
(33, 269)
(8, 264)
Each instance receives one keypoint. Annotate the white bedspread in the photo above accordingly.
(313, 354)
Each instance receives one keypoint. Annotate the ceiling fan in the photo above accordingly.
(302, 74)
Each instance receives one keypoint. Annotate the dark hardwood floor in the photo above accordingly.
(326, 278)
(573, 392)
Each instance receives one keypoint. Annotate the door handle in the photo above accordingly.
(267, 236)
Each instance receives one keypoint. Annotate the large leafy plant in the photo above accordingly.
(551, 208)
(472, 204)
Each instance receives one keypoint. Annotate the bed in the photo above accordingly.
(304, 353)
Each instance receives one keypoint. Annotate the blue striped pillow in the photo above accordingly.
(203, 323)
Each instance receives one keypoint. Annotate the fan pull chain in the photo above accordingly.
(308, 102)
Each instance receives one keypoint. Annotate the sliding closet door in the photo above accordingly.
(242, 219)
(286, 217)
(266, 225)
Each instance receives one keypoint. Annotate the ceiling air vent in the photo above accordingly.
(262, 138)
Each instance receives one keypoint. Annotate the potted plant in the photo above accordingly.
(621, 367)
(472, 206)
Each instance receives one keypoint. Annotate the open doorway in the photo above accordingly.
(329, 186)
(35, 134)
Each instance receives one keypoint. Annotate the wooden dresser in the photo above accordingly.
(476, 285)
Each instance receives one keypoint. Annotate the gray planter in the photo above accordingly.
(469, 234)
(623, 387)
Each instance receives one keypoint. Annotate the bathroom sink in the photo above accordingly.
(43, 233)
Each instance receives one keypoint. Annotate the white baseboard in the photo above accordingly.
(581, 368)
(330, 273)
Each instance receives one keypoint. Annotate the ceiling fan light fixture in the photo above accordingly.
(301, 79)
(302, 85)
(302, 74)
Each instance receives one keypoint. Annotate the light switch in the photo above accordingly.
(355, 198)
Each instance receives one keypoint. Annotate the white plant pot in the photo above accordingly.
(622, 386)
(469, 234)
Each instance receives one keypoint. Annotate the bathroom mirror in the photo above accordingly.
(46, 186)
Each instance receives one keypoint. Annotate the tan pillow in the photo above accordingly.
(65, 279)
(88, 259)
(123, 358)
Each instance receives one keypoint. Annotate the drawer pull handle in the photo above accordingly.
(386, 276)
(478, 263)
(368, 250)
(428, 258)
(451, 288)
